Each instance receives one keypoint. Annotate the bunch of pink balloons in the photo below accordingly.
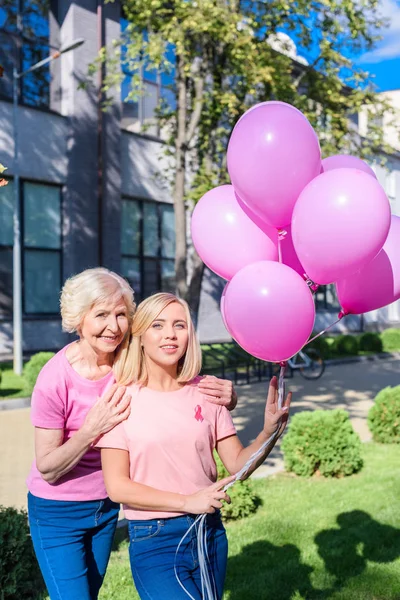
(288, 220)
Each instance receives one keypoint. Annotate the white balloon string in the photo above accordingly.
(281, 236)
(340, 317)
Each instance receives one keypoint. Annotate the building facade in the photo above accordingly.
(90, 187)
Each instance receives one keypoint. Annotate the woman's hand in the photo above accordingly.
(275, 419)
(110, 410)
(209, 499)
(218, 391)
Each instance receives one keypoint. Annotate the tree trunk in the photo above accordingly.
(179, 188)
(195, 287)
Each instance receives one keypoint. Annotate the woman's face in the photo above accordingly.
(105, 325)
(166, 340)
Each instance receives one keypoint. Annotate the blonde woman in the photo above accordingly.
(159, 462)
(74, 402)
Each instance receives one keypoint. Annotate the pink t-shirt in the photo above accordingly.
(170, 437)
(61, 399)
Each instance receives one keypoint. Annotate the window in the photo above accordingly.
(326, 299)
(138, 115)
(6, 246)
(24, 41)
(41, 248)
(148, 246)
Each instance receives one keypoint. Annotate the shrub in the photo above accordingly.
(244, 500)
(20, 577)
(391, 340)
(370, 342)
(34, 366)
(346, 345)
(322, 345)
(322, 442)
(384, 416)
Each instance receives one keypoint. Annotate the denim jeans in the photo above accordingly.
(152, 550)
(72, 542)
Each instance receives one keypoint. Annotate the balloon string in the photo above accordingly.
(281, 236)
(340, 317)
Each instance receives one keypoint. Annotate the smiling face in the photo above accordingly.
(105, 325)
(166, 340)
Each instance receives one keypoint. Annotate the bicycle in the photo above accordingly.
(310, 363)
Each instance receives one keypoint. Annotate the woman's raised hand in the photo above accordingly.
(275, 418)
(110, 409)
(218, 391)
(209, 499)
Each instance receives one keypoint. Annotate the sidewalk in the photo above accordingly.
(349, 386)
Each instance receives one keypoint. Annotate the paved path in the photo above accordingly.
(350, 386)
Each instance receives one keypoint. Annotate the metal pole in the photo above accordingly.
(17, 275)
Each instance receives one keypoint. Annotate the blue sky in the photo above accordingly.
(384, 60)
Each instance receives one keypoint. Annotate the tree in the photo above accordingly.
(229, 54)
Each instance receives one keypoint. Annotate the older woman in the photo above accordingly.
(74, 402)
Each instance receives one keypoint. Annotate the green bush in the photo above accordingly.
(34, 366)
(244, 500)
(322, 345)
(346, 345)
(384, 416)
(20, 577)
(322, 442)
(391, 340)
(370, 342)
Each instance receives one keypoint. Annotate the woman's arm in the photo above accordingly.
(231, 451)
(55, 458)
(121, 488)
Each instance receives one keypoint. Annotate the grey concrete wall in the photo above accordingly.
(81, 247)
(111, 150)
(144, 166)
(43, 139)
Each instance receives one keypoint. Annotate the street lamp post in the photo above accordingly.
(17, 270)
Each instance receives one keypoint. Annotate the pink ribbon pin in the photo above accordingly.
(197, 414)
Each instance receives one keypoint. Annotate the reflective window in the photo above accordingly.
(148, 246)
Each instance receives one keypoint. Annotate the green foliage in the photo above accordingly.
(20, 577)
(384, 416)
(34, 366)
(322, 345)
(322, 442)
(391, 340)
(244, 500)
(228, 56)
(370, 342)
(346, 345)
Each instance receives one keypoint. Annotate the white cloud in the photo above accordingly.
(389, 47)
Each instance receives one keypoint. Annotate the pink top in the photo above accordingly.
(170, 437)
(61, 399)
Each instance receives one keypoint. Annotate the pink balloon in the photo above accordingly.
(222, 305)
(272, 154)
(377, 284)
(289, 256)
(270, 231)
(269, 310)
(340, 223)
(224, 236)
(344, 161)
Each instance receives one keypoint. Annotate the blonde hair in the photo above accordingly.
(130, 362)
(93, 286)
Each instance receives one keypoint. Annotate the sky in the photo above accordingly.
(384, 61)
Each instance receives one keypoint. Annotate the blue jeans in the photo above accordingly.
(152, 550)
(72, 542)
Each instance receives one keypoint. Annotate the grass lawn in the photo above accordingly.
(12, 386)
(310, 539)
